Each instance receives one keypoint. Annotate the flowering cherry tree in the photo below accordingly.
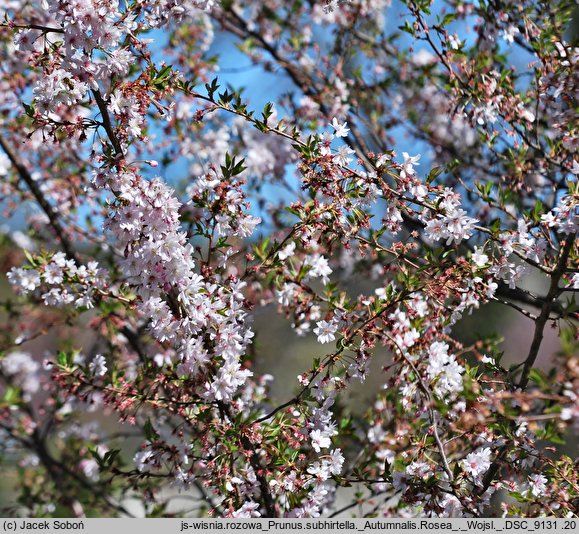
(425, 149)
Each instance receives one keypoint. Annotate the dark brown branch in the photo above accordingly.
(548, 305)
(57, 470)
(546, 310)
(44, 29)
(526, 297)
(53, 219)
(107, 124)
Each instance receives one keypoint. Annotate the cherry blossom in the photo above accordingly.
(477, 463)
(538, 484)
(341, 130)
(326, 330)
(97, 366)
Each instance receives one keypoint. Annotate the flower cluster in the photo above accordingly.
(58, 88)
(73, 284)
(454, 224)
(182, 307)
(444, 370)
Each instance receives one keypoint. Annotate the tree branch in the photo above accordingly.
(107, 124)
(546, 310)
(49, 211)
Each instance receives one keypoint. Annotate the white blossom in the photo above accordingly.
(538, 484)
(477, 463)
(98, 365)
(341, 129)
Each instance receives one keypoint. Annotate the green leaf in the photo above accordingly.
(537, 376)
(29, 109)
(11, 395)
(63, 359)
(408, 28)
(212, 88)
(162, 75)
(110, 456)
(95, 454)
(150, 432)
(448, 18)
